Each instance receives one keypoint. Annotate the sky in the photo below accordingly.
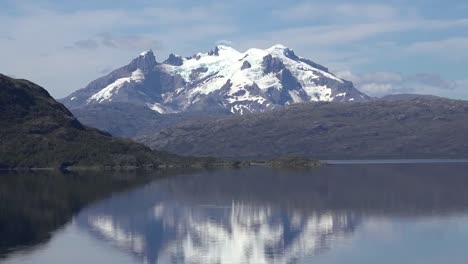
(384, 47)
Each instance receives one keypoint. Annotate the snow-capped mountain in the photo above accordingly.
(221, 80)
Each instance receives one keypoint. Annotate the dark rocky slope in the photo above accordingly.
(37, 131)
(412, 128)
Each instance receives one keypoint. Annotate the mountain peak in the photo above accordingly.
(224, 47)
(147, 53)
(224, 50)
(278, 47)
(174, 60)
(145, 61)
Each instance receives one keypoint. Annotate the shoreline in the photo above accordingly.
(393, 161)
(285, 162)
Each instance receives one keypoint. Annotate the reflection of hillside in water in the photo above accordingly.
(261, 216)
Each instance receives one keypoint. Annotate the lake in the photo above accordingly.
(342, 213)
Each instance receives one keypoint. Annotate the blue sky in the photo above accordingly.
(382, 46)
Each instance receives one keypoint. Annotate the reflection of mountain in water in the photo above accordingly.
(235, 234)
(263, 216)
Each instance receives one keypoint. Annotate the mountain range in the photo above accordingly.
(222, 80)
(264, 104)
(419, 127)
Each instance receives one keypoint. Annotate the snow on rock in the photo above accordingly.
(157, 107)
(255, 80)
(210, 72)
(113, 88)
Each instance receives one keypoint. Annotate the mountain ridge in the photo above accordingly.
(223, 79)
(402, 129)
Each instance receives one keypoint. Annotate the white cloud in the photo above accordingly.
(383, 83)
(350, 27)
(85, 44)
(432, 80)
(32, 43)
(370, 77)
(347, 33)
(462, 83)
(170, 16)
(63, 51)
(378, 89)
(308, 10)
(457, 47)
(224, 42)
(372, 11)
(128, 42)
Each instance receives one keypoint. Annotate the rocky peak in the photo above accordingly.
(145, 61)
(214, 52)
(174, 60)
(272, 64)
(290, 54)
(222, 50)
(313, 64)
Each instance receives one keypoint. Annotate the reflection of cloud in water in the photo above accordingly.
(259, 215)
(237, 233)
(125, 239)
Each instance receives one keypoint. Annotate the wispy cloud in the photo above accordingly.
(337, 12)
(180, 16)
(360, 36)
(457, 47)
(6, 37)
(344, 34)
(382, 83)
(432, 80)
(88, 44)
(224, 42)
(107, 40)
(79, 44)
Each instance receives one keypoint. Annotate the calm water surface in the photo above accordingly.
(361, 213)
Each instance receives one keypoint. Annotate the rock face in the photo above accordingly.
(221, 80)
(423, 127)
(36, 131)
